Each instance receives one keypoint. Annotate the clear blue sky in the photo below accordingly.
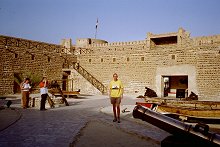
(119, 20)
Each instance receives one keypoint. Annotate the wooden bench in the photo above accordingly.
(67, 94)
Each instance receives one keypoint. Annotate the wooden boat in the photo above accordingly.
(211, 113)
(189, 111)
(183, 103)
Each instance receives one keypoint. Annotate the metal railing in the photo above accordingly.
(96, 83)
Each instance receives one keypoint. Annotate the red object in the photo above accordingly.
(148, 105)
(42, 84)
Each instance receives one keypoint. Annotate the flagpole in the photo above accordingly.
(95, 32)
(96, 28)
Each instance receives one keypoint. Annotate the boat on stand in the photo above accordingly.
(193, 111)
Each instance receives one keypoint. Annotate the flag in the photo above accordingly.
(96, 26)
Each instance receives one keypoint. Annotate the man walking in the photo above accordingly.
(116, 90)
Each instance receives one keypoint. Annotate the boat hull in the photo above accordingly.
(189, 111)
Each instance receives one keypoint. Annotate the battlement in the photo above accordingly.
(206, 40)
(13, 42)
(151, 35)
(178, 38)
(152, 39)
(85, 42)
(119, 44)
(181, 37)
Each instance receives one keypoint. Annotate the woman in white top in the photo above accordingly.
(25, 88)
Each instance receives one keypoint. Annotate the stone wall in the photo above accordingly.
(208, 72)
(140, 65)
(78, 82)
(22, 56)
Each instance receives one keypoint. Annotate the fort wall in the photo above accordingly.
(21, 56)
(139, 64)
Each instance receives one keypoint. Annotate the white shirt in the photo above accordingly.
(26, 87)
(43, 90)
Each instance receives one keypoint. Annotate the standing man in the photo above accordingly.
(25, 88)
(44, 93)
(116, 90)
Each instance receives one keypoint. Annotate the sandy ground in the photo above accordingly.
(100, 134)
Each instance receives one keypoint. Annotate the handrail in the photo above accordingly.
(89, 77)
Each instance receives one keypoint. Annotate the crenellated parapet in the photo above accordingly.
(206, 40)
(179, 38)
(13, 43)
(85, 42)
(95, 46)
(130, 43)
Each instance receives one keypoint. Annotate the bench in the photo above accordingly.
(67, 94)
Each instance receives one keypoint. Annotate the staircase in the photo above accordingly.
(90, 78)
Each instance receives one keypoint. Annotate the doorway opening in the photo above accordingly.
(65, 80)
(175, 86)
(17, 80)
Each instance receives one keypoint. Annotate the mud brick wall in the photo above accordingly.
(140, 65)
(77, 81)
(137, 69)
(208, 73)
(17, 56)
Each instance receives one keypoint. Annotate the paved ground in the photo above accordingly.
(108, 136)
(69, 125)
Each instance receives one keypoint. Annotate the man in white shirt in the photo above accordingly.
(44, 93)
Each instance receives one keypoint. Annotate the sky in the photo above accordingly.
(118, 20)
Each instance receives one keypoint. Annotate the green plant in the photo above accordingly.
(34, 78)
(18, 78)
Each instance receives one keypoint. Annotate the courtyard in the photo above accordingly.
(86, 122)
